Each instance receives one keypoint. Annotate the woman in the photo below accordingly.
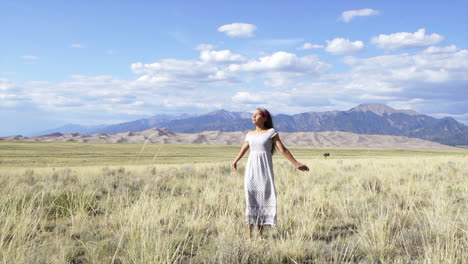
(260, 192)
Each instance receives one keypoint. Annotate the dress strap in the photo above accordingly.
(273, 133)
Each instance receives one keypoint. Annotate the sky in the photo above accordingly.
(105, 62)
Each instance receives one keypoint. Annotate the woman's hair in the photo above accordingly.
(268, 124)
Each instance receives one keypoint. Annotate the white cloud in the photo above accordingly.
(183, 74)
(282, 62)
(247, 98)
(424, 82)
(81, 95)
(289, 100)
(76, 45)
(307, 46)
(30, 57)
(455, 62)
(422, 75)
(225, 68)
(5, 85)
(348, 15)
(222, 56)
(344, 46)
(447, 49)
(405, 40)
(238, 29)
(371, 97)
(11, 94)
(181, 68)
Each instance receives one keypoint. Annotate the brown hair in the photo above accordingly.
(268, 124)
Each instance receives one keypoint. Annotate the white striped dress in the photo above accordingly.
(260, 192)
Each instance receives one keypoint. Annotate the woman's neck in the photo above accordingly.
(260, 128)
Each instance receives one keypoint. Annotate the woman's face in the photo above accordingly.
(257, 118)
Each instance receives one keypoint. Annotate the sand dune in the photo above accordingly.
(336, 139)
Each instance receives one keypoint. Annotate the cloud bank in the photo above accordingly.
(429, 80)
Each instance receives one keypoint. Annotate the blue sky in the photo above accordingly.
(103, 62)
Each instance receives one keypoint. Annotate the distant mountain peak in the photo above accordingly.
(380, 109)
(218, 111)
(228, 115)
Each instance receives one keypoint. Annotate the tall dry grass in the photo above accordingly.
(393, 210)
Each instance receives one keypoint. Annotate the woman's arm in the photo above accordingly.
(244, 149)
(287, 154)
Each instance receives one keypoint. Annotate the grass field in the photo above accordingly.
(73, 154)
(129, 203)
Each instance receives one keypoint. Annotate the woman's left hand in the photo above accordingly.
(234, 166)
(302, 167)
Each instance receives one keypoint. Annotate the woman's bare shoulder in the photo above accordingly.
(250, 132)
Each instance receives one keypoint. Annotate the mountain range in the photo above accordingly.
(376, 119)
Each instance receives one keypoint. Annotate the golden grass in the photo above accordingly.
(398, 207)
(74, 154)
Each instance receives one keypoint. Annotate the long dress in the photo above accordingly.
(260, 192)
